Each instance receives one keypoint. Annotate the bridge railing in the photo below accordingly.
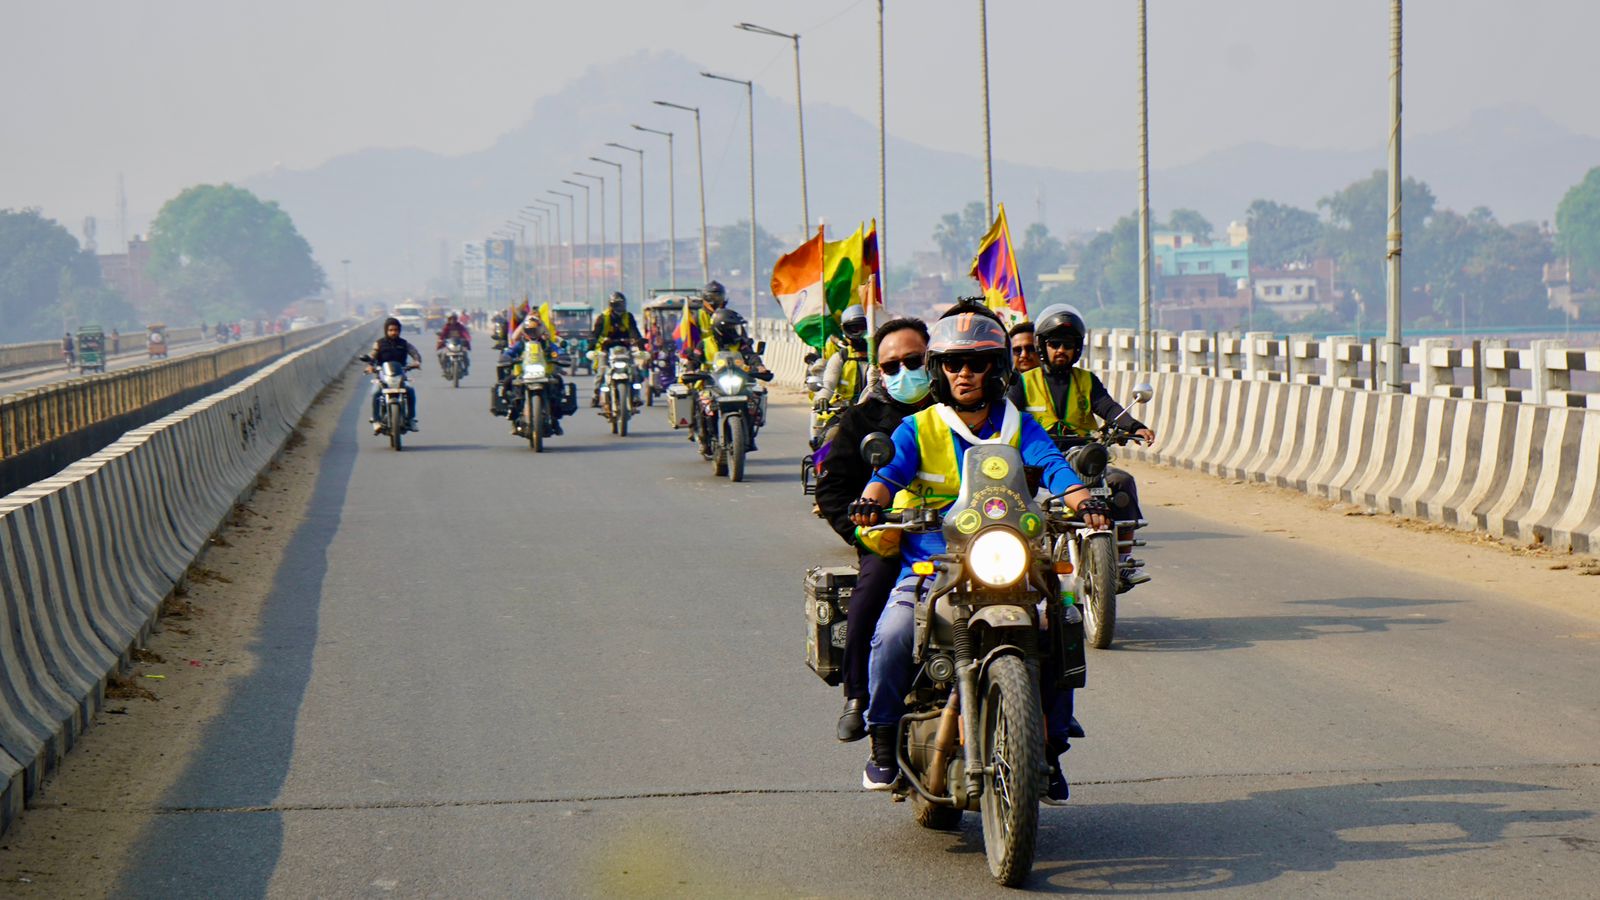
(40, 353)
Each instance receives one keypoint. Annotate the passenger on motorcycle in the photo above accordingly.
(971, 372)
(396, 349)
(903, 389)
(1024, 350)
(844, 376)
(455, 329)
(531, 330)
(1067, 399)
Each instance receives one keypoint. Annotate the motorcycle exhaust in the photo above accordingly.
(944, 743)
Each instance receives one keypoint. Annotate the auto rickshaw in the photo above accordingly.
(661, 317)
(91, 349)
(156, 342)
(574, 324)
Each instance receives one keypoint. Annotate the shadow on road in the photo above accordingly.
(1370, 602)
(1166, 848)
(244, 756)
(1184, 634)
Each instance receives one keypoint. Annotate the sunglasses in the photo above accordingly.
(1025, 349)
(1063, 343)
(891, 367)
(975, 365)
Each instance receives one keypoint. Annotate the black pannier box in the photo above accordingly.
(827, 602)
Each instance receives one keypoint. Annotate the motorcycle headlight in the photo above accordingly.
(533, 371)
(997, 557)
(730, 382)
(620, 366)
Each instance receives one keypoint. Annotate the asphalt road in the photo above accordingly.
(490, 673)
(15, 382)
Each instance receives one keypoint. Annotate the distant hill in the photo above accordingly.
(389, 209)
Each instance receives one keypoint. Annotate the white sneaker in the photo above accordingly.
(377, 428)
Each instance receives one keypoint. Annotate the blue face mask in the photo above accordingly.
(908, 385)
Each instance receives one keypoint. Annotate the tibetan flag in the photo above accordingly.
(995, 267)
(688, 333)
(548, 320)
(512, 319)
(844, 269)
(874, 280)
(798, 285)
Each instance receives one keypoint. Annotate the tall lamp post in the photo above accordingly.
(642, 297)
(700, 166)
(983, 72)
(536, 276)
(551, 249)
(1144, 196)
(588, 237)
(346, 264)
(672, 208)
(572, 227)
(800, 116)
(1392, 369)
(621, 267)
(750, 96)
(883, 179)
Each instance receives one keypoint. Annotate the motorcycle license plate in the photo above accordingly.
(1101, 491)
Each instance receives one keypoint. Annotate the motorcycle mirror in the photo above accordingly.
(761, 348)
(877, 449)
(1142, 392)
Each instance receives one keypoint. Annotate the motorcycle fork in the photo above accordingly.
(967, 679)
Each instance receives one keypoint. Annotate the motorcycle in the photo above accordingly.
(993, 612)
(393, 413)
(1098, 554)
(453, 362)
(619, 381)
(731, 407)
(540, 386)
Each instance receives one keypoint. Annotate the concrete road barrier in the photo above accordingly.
(91, 552)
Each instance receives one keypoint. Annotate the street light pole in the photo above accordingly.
(883, 177)
(672, 209)
(642, 297)
(588, 238)
(621, 267)
(1144, 196)
(1392, 369)
(572, 226)
(983, 70)
(800, 117)
(700, 166)
(750, 95)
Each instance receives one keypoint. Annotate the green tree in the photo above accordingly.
(1358, 234)
(958, 235)
(729, 250)
(1475, 266)
(1578, 229)
(1282, 234)
(1107, 287)
(1040, 253)
(48, 282)
(1187, 221)
(235, 235)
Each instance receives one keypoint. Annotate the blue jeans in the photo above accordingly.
(411, 401)
(890, 668)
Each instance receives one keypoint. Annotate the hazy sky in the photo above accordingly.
(175, 92)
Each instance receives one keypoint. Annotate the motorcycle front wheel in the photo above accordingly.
(455, 375)
(624, 408)
(738, 440)
(397, 426)
(1100, 590)
(1013, 749)
(535, 420)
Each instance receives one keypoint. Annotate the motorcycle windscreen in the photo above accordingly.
(994, 491)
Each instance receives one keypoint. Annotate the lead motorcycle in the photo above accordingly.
(730, 408)
(393, 413)
(538, 388)
(1098, 555)
(991, 613)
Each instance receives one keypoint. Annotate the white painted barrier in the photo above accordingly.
(87, 556)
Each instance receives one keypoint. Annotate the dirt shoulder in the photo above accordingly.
(1559, 580)
(73, 839)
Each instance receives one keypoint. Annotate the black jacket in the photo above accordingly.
(843, 473)
(396, 350)
(1100, 400)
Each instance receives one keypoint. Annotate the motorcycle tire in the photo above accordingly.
(397, 427)
(933, 816)
(1101, 574)
(650, 393)
(738, 439)
(455, 376)
(719, 460)
(624, 409)
(1013, 744)
(535, 413)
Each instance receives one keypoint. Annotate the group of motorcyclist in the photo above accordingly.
(939, 390)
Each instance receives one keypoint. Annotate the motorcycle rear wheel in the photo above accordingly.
(1013, 745)
(1100, 590)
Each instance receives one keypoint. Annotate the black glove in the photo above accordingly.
(1094, 506)
(871, 510)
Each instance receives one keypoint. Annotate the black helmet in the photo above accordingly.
(618, 302)
(1060, 322)
(726, 326)
(386, 323)
(968, 335)
(714, 294)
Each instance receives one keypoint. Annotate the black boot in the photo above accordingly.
(853, 722)
(882, 769)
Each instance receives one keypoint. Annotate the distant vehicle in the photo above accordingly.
(156, 341)
(300, 322)
(410, 316)
(313, 309)
(91, 349)
(574, 324)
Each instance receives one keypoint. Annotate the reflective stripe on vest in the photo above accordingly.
(1079, 418)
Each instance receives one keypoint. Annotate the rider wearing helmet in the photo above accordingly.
(531, 331)
(456, 329)
(616, 325)
(970, 363)
(1066, 399)
(844, 375)
(713, 296)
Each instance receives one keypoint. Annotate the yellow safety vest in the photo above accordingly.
(849, 374)
(937, 483)
(607, 326)
(1078, 418)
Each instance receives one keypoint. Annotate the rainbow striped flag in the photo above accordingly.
(995, 267)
